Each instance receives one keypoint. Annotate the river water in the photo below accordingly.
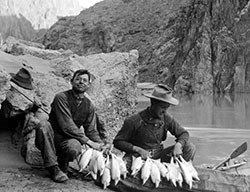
(217, 124)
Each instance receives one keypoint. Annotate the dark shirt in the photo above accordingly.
(69, 113)
(147, 132)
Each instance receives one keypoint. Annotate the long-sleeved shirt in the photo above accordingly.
(68, 115)
(147, 132)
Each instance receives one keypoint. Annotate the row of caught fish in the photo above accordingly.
(175, 171)
(111, 167)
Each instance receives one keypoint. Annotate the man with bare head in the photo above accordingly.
(60, 140)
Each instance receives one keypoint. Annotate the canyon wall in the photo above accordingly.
(192, 45)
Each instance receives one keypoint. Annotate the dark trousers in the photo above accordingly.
(54, 151)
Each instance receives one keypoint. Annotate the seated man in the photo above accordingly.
(142, 134)
(16, 105)
(60, 140)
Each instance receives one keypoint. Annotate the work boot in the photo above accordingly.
(63, 166)
(57, 175)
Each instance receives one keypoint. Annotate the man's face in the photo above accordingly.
(80, 83)
(159, 109)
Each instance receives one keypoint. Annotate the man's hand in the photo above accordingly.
(94, 145)
(106, 148)
(177, 150)
(143, 153)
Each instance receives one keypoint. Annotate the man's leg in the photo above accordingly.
(45, 143)
(67, 151)
(188, 152)
(15, 124)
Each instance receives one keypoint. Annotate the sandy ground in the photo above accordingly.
(28, 179)
(17, 176)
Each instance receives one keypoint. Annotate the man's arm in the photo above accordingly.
(124, 137)
(101, 129)
(8, 111)
(122, 140)
(90, 126)
(181, 134)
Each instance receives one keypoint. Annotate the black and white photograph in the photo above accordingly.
(124, 95)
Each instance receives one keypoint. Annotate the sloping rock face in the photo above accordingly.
(23, 18)
(19, 27)
(4, 84)
(200, 43)
(113, 90)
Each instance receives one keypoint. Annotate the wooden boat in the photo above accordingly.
(210, 181)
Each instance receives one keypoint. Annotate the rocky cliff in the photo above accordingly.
(23, 18)
(193, 45)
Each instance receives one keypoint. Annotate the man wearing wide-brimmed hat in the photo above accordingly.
(142, 134)
(16, 105)
(21, 84)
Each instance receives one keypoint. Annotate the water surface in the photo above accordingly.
(217, 124)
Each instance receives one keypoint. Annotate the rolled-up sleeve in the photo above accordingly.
(181, 134)
(61, 108)
(123, 138)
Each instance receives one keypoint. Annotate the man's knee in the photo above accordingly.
(44, 132)
(189, 151)
(44, 128)
(73, 149)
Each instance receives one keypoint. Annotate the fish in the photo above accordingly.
(100, 163)
(85, 159)
(137, 163)
(179, 178)
(115, 169)
(193, 171)
(173, 172)
(162, 168)
(93, 164)
(145, 170)
(185, 172)
(106, 176)
(78, 157)
(166, 165)
(155, 174)
(122, 166)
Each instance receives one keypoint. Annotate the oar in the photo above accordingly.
(241, 149)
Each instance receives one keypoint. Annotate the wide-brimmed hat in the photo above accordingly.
(23, 79)
(163, 93)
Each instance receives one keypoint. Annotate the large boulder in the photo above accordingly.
(113, 91)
